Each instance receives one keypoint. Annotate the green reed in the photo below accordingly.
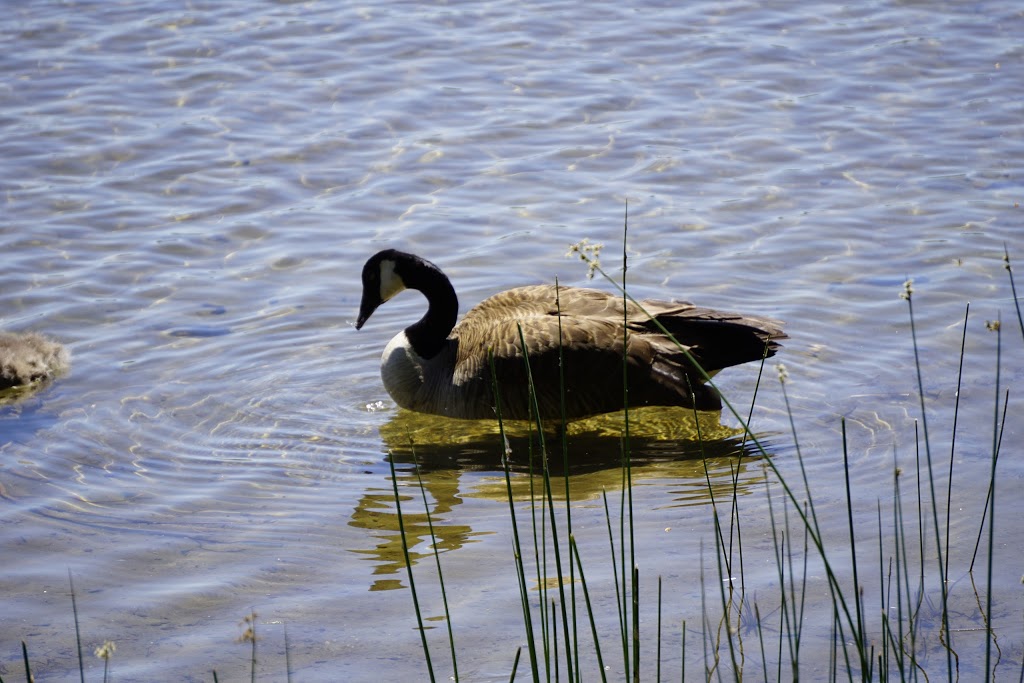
(408, 566)
(440, 574)
(1013, 287)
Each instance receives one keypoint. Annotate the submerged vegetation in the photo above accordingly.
(920, 610)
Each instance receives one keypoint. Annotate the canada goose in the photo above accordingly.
(29, 357)
(434, 366)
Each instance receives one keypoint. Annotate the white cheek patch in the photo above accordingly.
(390, 281)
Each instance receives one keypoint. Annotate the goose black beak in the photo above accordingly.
(364, 315)
(366, 309)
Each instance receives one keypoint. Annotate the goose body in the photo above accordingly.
(30, 357)
(434, 366)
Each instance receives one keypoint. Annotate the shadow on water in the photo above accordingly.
(692, 458)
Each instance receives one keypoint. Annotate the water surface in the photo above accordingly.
(191, 189)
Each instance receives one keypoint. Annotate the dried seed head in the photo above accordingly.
(106, 650)
(588, 253)
(783, 373)
(908, 289)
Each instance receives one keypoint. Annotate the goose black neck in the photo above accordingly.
(429, 334)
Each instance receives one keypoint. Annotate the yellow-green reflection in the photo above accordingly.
(10, 395)
(650, 423)
(462, 459)
(376, 512)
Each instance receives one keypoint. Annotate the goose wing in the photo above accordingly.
(577, 319)
(592, 321)
(585, 329)
(716, 339)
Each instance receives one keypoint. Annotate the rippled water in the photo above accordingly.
(190, 191)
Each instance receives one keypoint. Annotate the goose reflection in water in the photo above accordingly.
(459, 460)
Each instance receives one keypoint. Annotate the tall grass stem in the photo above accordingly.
(408, 567)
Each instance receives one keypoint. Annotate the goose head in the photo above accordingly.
(412, 357)
(389, 272)
(381, 282)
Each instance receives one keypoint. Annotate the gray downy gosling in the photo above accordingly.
(435, 366)
(29, 357)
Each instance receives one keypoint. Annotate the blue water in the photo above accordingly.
(190, 191)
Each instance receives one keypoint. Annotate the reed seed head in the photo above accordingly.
(908, 289)
(588, 253)
(783, 373)
(106, 650)
(249, 634)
